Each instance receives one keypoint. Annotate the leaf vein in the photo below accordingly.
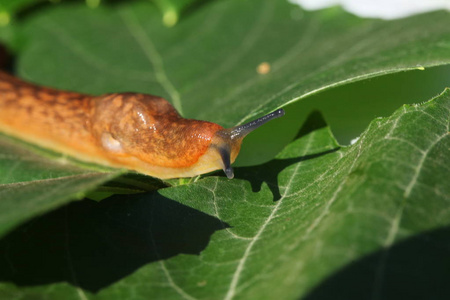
(234, 281)
(153, 56)
(420, 165)
(87, 56)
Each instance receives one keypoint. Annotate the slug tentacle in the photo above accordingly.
(127, 130)
(230, 139)
(242, 130)
(225, 153)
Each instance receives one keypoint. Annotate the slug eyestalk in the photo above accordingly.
(232, 139)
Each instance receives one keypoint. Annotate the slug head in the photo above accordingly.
(227, 142)
(145, 133)
(149, 130)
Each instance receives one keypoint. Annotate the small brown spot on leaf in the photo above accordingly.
(263, 68)
(201, 283)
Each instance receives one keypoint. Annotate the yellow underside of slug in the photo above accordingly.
(208, 162)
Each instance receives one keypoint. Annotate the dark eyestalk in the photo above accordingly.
(233, 137)
(239, 132)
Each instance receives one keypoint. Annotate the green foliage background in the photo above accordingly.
(305, 217)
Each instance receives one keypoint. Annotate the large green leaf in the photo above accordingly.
(207, 64)
(278, 231)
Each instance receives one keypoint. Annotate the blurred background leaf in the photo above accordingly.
(171, 9)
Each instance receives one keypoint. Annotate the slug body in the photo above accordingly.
(128, 130)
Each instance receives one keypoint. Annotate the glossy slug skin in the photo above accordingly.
(128, 130)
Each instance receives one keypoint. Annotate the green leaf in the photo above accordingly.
(210, 72)
(301, 224)
(171, 9)
(32, 184)
(277, 231)
(8, 7)
(207, 64)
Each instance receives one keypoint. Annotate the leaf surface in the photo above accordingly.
(32, 184)
(207, 65)
(276, 231)
(281, 229)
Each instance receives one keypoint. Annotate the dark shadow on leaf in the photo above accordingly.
(128, 183)
(92, 245)
(417, 268)
(6, 58)
(269, 171)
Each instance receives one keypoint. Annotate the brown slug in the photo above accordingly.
(126, 130)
